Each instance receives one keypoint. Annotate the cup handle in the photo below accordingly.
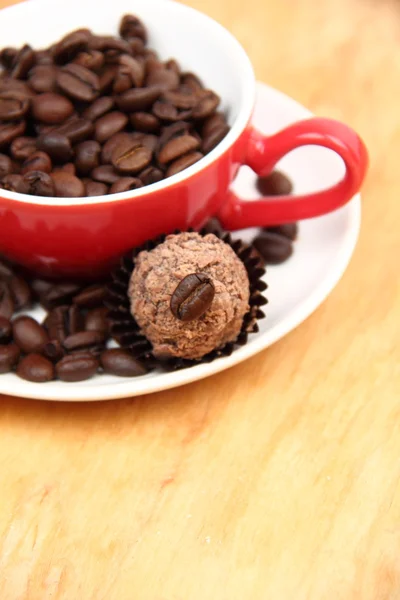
(263, 152)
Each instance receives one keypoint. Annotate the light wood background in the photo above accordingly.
(276, 480)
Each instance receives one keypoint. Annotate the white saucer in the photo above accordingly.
(296, 288)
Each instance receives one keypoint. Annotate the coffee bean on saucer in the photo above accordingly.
(83, 340)
(21, 292)
(5, 331)
(274, 184)
(35, 368)
(96, 320)
(91, 296)
(28, 334)
(6, 271)
(53, 351)
(288, 230)
(63, 321)
(6, 301)
(57, 294)
(9, 355)
(192, 297)
(77, 367)
(274, 248)
(116, 361)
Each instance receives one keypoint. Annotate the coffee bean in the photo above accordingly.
(192, 297)
(105, 174)
(162, 79)
(146, 139)
(215, 136)
(132, 27)
(288, 230)
(83, 340)
(67, 185)
(69, 46)
(126, 184)
(10, 131)
(183, 163)
(76, 130)
(166, 111)
(177, 147)
(78, 82)
(56, 145)
(39, 183)
(131, 157)
(21, 89)
(22, 147)
(116, 361)
(275, 184)
(146, 122)
(6, 166)
(91, 296)
(183, 98)
(6, 271)
(8, 56)
(38, 161)
(106, 78)
(111, 144)
(151, 175)
(208, 103)
(137, 46)
(6, 301)
(63, 321)
(90, 59)
(108, 42)
(109, 125)
(9, 355)
(5, 331)
(95, 188)
(42, 78)
(100, 107)
(96, 320)
(77, 367)
(191, 80)
(35, 368)
(137, 99)
(13, 108)
(21, 292)
(53, 350)
(28, 334)
(23, 62)
(14, 183)
(51, 108)
(44, 57)
(87, 156)
(274, 248)
(57, 295)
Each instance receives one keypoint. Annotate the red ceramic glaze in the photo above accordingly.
(86, 238)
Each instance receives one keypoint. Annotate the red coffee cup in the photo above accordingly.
(85, 236)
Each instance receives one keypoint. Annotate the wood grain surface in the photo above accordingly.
(278, 479)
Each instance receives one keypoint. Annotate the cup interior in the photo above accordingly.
(199, 43)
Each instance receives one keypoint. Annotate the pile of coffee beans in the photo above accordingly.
(94, 115)
(71, 342)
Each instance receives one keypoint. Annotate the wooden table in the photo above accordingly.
(278, 479)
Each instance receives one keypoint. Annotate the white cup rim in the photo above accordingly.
(245, 73)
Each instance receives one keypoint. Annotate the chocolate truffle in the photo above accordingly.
(158, 273)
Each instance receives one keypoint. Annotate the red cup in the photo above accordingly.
(84, 237)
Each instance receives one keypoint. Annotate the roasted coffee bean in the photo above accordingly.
(183, 163)
(125, 184)
(288, 230)
(191, 80)
(116, 361)
(131, 157)
(21, 292)
(67, 168)
(77, 367)
(39, 183)
(183, 98)
(106, 78)
(21, 89)
(67, 185)
(132, 27)
(6, 301)
(70, 46)
(13, 108)
(22, 147)
(51, 108)
(274, 248)
(58, 295)
(109, 125)
(215, 121)
(8, 56)
(6, 166)
(206, 106)
(14, 183)
(90, 59)
(5, 331)
(96, 320)
(215, 136)
(9, 355)
(42, 78)
(137, 46)
(105, 174)
(192, 297)
(146, 139)
(10, 131)
(171, 131)
(56, 145)
(133, 69)
(23, 62)
(137, 99)
(83, 340)
(28, 334)
(87, 156)
(53, 350)
(166, 111)
(162, 79)
(151, 175)
(63, 321)
(146, 122)
(91, 296)
(35, 368)
(112, 143)
(40, 287)
(44, 57)
(177, 147)
(100, 107)
(95, 188)
(38, 161)
(6, 271)
(78, 82)
(275, 184)
(108, 42)
(76, 130)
